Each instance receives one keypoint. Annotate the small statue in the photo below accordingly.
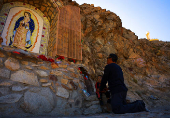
(148, 35)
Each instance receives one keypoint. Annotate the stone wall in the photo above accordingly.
(46, 6)
(28, 84)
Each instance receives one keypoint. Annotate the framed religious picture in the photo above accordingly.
(23, 29)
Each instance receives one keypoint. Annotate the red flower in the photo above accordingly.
(42, 45)
(16, 52)
(2, 23)
(73, 60)
(6, 14)
(44, 28)
(42, 57)
(79, 68)
(81, 72)
(50, 59)
(42, 35)
(61, 57)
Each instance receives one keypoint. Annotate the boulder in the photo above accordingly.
(6, 83)
(92, 98)
(4, 91)
(41, 73)
(64, 81)
(70, 69)
(12, 64)
(25, 77)
(92, 110)
(62, 92)
(18, 88)
(2, 55)
(46, 84)
(4, 73)
(38, 100)
(11, 98)
(78, 102)
(92, 103)
(57, 73)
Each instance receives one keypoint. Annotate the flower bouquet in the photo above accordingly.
(59, 57)
(44, 58)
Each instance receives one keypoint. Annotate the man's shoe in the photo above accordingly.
(146, 108)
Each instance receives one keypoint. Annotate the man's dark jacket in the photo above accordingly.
(114, 75)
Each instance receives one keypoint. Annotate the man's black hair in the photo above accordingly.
(114, 57)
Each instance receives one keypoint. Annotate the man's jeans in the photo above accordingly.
(119, 106)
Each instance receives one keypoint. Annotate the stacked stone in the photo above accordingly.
(40, 87)
(46, 6)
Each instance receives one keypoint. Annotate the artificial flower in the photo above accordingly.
(16, 52)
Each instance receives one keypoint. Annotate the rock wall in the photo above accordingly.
(30, 86)
(145, 64)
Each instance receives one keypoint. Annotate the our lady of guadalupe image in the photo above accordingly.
(22, 32)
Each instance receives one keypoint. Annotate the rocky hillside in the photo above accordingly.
(146, 65)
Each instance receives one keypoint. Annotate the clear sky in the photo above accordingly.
(140, 16)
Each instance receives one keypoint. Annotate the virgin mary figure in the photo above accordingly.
(22, 32)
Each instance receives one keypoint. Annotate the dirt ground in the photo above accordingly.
(158, 112)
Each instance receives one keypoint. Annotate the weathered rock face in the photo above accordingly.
(145, 64)
(110, 37)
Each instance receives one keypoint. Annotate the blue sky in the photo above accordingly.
(140, 16)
